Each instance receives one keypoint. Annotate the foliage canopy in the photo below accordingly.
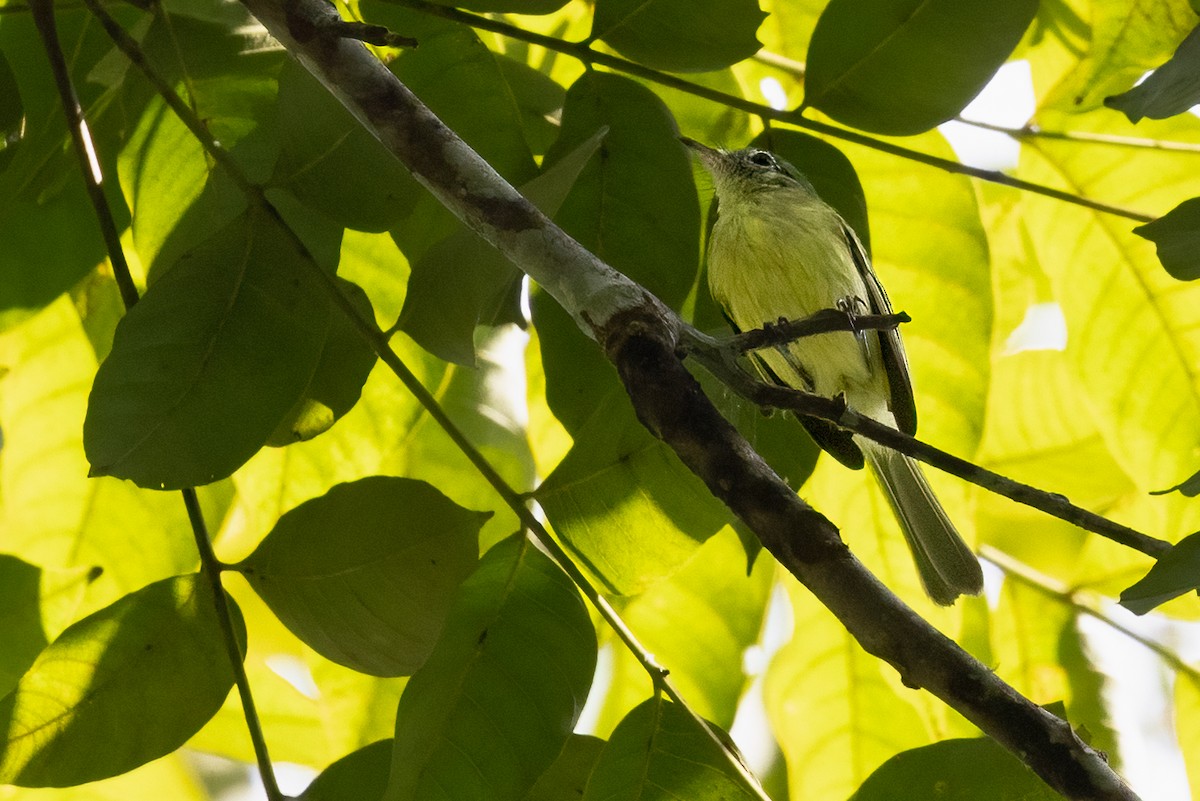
(399, 629)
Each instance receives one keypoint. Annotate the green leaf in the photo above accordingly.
(1104, 48)
(177, 197)
(694, 115)
(680, 35)
(462, 281)
(48, 247)
(1176, 235)
(173, 405)
(119, 688)
(346, 361)
(1189, 487)
(164, 172)
(1087, 697)
(1175, 573)
(659, 753)
(329, 161)
(1171, 89)
(623, 502)
(33, 605)
(388, 432)
(45, 164)
(472, 90)
(359, 776)
(711, 600)
(568, 775)
(224, 14)
(538, 98)
(1033, 430)
(635, 206)
(499, 696)
(902, 67)
(836, 711)
(788, 29)
(1187, 722)
(51, 514)
(975, 769)
(366, 573)
(1131, 343)
(20, 619)
(1028, 628)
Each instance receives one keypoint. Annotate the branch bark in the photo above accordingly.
(642, 338)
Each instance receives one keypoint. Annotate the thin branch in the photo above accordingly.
(81, 142)
(825, 321)
(379, 343)
(1057, 590)
(797, 69)
(836, 411)
(43, 15)
(584, 53)
(211, 568)
(1032, 131)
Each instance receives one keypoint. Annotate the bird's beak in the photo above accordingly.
(708, 156)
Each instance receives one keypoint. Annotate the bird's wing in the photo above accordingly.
(836, 441)
(895, 363)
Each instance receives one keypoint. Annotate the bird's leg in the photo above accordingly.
(849, 306)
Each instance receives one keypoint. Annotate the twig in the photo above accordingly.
(1033, 131)
(836, 411)
(825, 321)
(43, 15)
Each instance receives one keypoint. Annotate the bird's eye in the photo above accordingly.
(763, 159)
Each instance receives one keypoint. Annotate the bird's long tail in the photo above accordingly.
(947, 566)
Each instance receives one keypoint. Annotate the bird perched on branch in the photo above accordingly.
(778, 251)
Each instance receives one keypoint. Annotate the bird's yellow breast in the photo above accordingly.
(788, 258)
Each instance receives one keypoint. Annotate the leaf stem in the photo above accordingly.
(210, 567)
(81, 141)
(43, 15)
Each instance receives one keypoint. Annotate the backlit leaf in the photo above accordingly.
(1176, 572)
(660, 753)
(680, 35)
(366, 573)
(499, 696)
(205, 366)
(119, 688)
(902, 67)
(623, 502)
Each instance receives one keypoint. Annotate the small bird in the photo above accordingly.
(777, 251)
